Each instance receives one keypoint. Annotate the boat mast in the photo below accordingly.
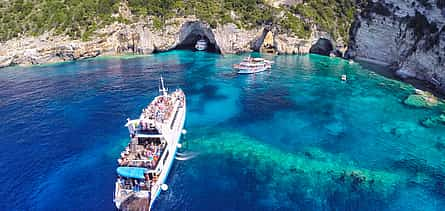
(162, 89)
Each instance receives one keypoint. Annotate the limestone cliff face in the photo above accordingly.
(143, 38)
(231, 39)
(408, 35)
(116, 39)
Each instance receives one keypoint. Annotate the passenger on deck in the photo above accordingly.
(149, 154)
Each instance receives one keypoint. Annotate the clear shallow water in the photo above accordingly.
(295, 138)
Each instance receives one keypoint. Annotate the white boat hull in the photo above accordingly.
(201, 48)
(253, 65)
(251, 71)
(201, 45)
(169, 162)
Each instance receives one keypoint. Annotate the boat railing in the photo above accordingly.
(121, 194)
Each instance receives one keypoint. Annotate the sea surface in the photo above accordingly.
(293, 138)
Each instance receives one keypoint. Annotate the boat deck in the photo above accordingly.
(145, 153)
(134, 203)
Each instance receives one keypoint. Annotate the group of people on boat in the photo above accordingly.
(133, 184)
(147, 157)
(160, 109)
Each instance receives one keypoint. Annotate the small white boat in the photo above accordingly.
(201, 45)
(253, 65)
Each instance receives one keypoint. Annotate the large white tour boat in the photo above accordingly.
(145, 163)
(253, 65)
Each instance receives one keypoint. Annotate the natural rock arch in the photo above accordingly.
(191, 32)
(265, 42)
(323, 46)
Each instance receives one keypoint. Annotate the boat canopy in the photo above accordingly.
(132, 172)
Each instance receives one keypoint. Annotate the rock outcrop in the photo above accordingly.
(423, 99)
(407, 35)
(292, 45)
(115, 39)
(232, 39)
(268, 45)
(322, 46)
(143, 37)
(118, 38)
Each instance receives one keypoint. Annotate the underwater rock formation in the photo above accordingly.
(316, 175)
(434, 121)
(400, 128)
(423, 172)
(315, 168)
(423, 99)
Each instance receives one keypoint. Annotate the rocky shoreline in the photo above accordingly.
(143, 38)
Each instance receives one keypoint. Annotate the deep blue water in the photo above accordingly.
(294, 138)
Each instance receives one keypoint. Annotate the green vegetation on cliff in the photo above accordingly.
(77, 18)
(246, 13)
(80, 18)
(334, 16)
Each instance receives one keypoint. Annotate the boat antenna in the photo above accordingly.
(162, 89)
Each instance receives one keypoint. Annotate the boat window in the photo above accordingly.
(149, 131)
(174, 119)
(166, 156)
(145, 141)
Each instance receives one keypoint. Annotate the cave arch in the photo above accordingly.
(323, 46)
(265, 42)
(191, 32)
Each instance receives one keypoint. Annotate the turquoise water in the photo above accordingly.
(293, 138)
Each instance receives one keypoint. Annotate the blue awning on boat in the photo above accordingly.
(131, 172)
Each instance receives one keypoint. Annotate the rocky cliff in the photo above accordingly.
(407, 35)
(35, 32)
(143, 38)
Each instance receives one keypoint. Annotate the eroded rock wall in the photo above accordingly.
(116, 39)
(232, 39)
(407, 35)
(143, 38)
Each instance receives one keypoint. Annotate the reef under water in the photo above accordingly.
(309, 179)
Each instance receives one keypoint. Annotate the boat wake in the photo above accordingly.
(185, 156)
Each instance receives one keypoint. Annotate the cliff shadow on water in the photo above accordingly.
(388, 72)
(193, 31)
